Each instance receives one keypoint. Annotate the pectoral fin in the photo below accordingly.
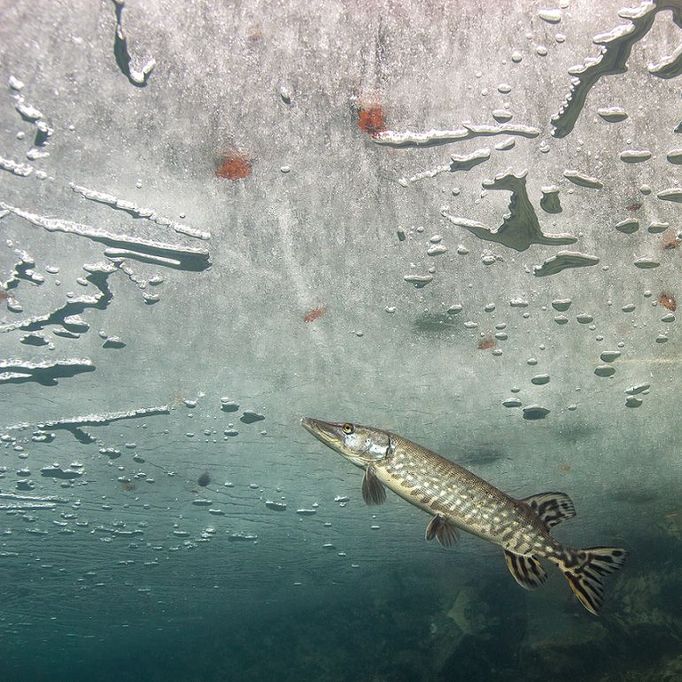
(526, 570)
(443, 530)
(373, 491)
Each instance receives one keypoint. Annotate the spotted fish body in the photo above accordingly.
(443, 488)
(457, 499)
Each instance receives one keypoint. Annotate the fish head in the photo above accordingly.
(362, 445)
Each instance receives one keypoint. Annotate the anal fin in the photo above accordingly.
(526, 570)
(373, 491)
(443, 530)
(552, 508)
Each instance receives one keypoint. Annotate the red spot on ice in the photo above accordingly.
(634, 206)
(233, 165)
(668, 301)
(487, 343)
(669, 242)
(314, 314)
(371, 118)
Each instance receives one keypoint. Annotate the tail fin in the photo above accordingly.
(584, 569)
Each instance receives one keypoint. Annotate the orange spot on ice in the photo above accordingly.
(487, 343)
(233, 166)
(670, 242)
(255, 33)
(314, 314)
(371, 118)
(668, 301)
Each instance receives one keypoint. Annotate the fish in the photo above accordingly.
(457, 499)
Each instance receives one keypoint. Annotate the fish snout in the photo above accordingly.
(329, 433)
(308, 423)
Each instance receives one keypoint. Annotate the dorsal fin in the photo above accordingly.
(552, 508)
(373, 491)
(443, 530)
(526, 570)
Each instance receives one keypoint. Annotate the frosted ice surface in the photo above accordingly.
(206, 215)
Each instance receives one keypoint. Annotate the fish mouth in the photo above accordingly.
(326, 432)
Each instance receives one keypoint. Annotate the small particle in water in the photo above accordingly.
(233, 165)
(371, 118)
(486, 343)
(667, 301)
(204, 479)
(314, 314)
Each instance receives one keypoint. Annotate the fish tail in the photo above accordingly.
(584, 570)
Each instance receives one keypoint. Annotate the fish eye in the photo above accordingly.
(348, 428)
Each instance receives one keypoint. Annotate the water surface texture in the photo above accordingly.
(458, 221)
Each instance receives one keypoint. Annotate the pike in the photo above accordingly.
(458, 499)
